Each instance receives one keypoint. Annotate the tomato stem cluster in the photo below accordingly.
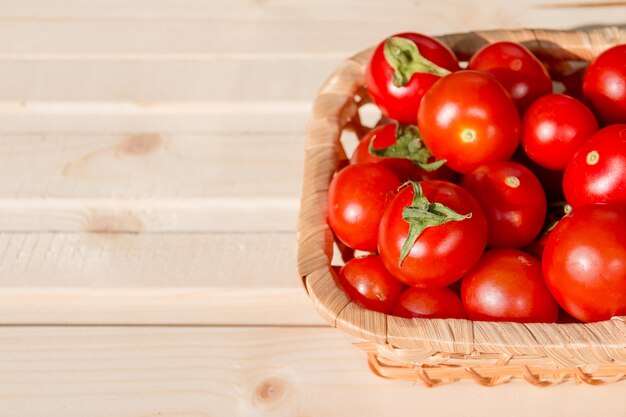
(405, 58)
(409, 146)
(422, 214)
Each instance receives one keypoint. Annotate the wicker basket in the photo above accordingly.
(438, 351)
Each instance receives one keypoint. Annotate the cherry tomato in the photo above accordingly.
(468, 119)
(605, 85)
(369, 284)
(584, 262)
(554, 127)
(384, 136)
(401, 102)
(440, 303)
(516, 68)
(507, 285)
(597, 172)
(357, 197)
(442, 253)
(512, 200)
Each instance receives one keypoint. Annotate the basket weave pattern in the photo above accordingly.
(439, 351)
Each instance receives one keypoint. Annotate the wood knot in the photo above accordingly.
(117, 221)
(139, 145)
(270, 392)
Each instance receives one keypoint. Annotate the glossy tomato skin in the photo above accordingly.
(513, 202)
(402, 103)
(404, 169)
(553, 129)
(507, 285)
(369, 284)
(584, 262)
(357, 197)
(605, 85)
(434, 303)
(468, 119)
(516, 68)
(597, 171)
(441, 254)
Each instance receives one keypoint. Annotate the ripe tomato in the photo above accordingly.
(513, 202)
(369, 284)
(397, 76)
(439, 303)
(605, 85)
(584, 262)
(507, 285)
(516, 68)
(441, 253)
(597, 172)
(554, 127)
(468, 119)
(357, 197)
(385, 136)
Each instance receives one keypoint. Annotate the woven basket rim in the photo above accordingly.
(569, 344)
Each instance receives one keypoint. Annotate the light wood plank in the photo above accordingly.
(218, 279)
(150, 165)
(150, 182)
(269, 117)
(150, 261)
(138, 372)
(257, 28)
(158, 78)
(260, 306)
(246, 10)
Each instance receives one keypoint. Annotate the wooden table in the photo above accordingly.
(150, 157)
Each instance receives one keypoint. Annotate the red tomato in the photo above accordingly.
(400, 102)
(516, 68)
(584, 262)
(385, 136)
(369, 284)
(597, 172)
(605, 85)
(507, 285)
(442, 253)
(513, 202)
(554, 127)
(357, 197)
(468, 119)
(436, 303)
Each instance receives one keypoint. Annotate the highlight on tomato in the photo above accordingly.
(468, 119)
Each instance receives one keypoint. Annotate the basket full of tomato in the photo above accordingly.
(475, 228)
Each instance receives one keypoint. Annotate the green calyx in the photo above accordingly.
(405, 58)
(409, 146)
(422, 214)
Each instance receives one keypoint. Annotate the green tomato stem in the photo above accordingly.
(405, 59)
(409, 146)
(422, 214)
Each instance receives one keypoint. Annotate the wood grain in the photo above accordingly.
(259, 27)
(149, 182)
(268, 117)
(154, 78)
(138, 372)
(150, 261)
